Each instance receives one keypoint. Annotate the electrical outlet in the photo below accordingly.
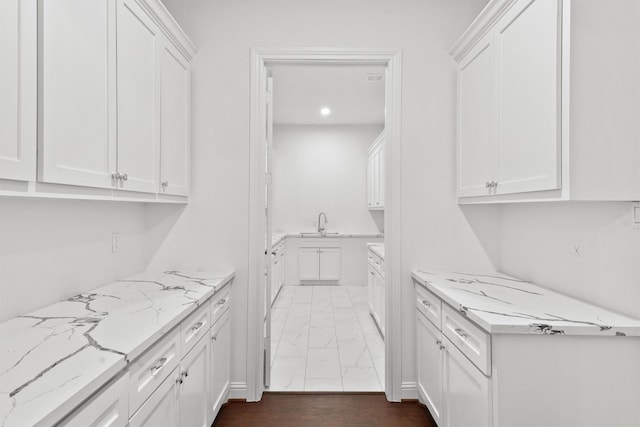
(115, 243)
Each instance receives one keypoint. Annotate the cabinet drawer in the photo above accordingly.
(148, 372)
(220, 303)
(472, 341)
(107, 408)
(194, 327)
(429, 305)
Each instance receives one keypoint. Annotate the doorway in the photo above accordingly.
(259, 264)
(324, 333)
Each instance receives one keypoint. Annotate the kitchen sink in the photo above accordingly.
(318, 234)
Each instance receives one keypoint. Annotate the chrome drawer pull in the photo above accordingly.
(197, 326)
(426, 303)
(157, 367)
(215, 337)
(222, 301)
(461, 333)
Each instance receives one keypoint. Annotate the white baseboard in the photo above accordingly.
(238, 390)
(409, 390)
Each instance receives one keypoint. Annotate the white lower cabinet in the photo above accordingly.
(163, 406)
(220, 362)
(430, 366)
(109, 408)
(468, 391)
(456, 391)
(194, 385)
(376, 288)
(319, 260)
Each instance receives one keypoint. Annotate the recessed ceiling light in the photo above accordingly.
(325, 111)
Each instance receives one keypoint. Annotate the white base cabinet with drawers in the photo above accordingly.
(376, 290)
(181, 381)
(468, 377)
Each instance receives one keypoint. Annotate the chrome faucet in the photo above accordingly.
(321, 225)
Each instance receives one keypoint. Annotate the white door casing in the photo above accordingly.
(260, 59)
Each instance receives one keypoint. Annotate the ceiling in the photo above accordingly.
(301, 91)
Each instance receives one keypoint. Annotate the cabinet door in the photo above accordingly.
(175, 122)
(381, 301)
(220, 352)
(108, 409)
(476, 112)
(18, 89)
(371, 280)
(195, 386)
(329, 263)
(308, 263)
(77, 142)
(528, 52)
(381, 176)
(468, 391)
(162, 407)
(138, 98)
(429, 358)
(370, 189)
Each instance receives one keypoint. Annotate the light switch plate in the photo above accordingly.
(635, 216)
(115, 243)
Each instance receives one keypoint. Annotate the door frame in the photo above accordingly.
(260, 60)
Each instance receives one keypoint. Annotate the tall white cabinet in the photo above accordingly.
(376, 174)
(18, 89)
(547, 93)
(100, 90)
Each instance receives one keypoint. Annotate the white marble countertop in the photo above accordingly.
(278, 237)
(54, 358)
(502, 304)
(377, 248)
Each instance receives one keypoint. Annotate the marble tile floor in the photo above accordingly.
(323, 339)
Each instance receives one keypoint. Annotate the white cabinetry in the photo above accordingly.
(376, 288)
(175, 112)
(77, 92)
(376, 174)
(108, 408)
(456, 391)
(195, 378)
(541, 114)
(18, 89)
(277, 269)
(220, 362)
(114, 96)
(138, 100)
(163, 406)
(319, 260)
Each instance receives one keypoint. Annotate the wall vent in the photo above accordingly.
(374, 78)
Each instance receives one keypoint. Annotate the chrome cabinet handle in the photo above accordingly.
(460, 333)
(125, 177)
(273, 253)
(426, 303)
(185, 373)
(487, 184)
(222, 301)
(157, 367)
(442, 347)
(116, 176)
(438, 342)
(179, 380)
(197, 326)
(215, 337)
(165, 184)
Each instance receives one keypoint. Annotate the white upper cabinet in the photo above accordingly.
(548, 101)
(114, 96)
(77, 140)
(138, 98)
(476, 148)
(376, 174)
(18, 89)
(526, 42)
(175, 113)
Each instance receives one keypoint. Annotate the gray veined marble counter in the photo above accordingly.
(54, 358)
(502, 304)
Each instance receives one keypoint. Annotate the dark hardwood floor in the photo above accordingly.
(323, 409)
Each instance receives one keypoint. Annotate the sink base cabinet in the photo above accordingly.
(319, 261)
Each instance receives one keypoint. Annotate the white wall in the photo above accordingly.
(587, 250)
(213, 229)
(322, 168)
(53, 249)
